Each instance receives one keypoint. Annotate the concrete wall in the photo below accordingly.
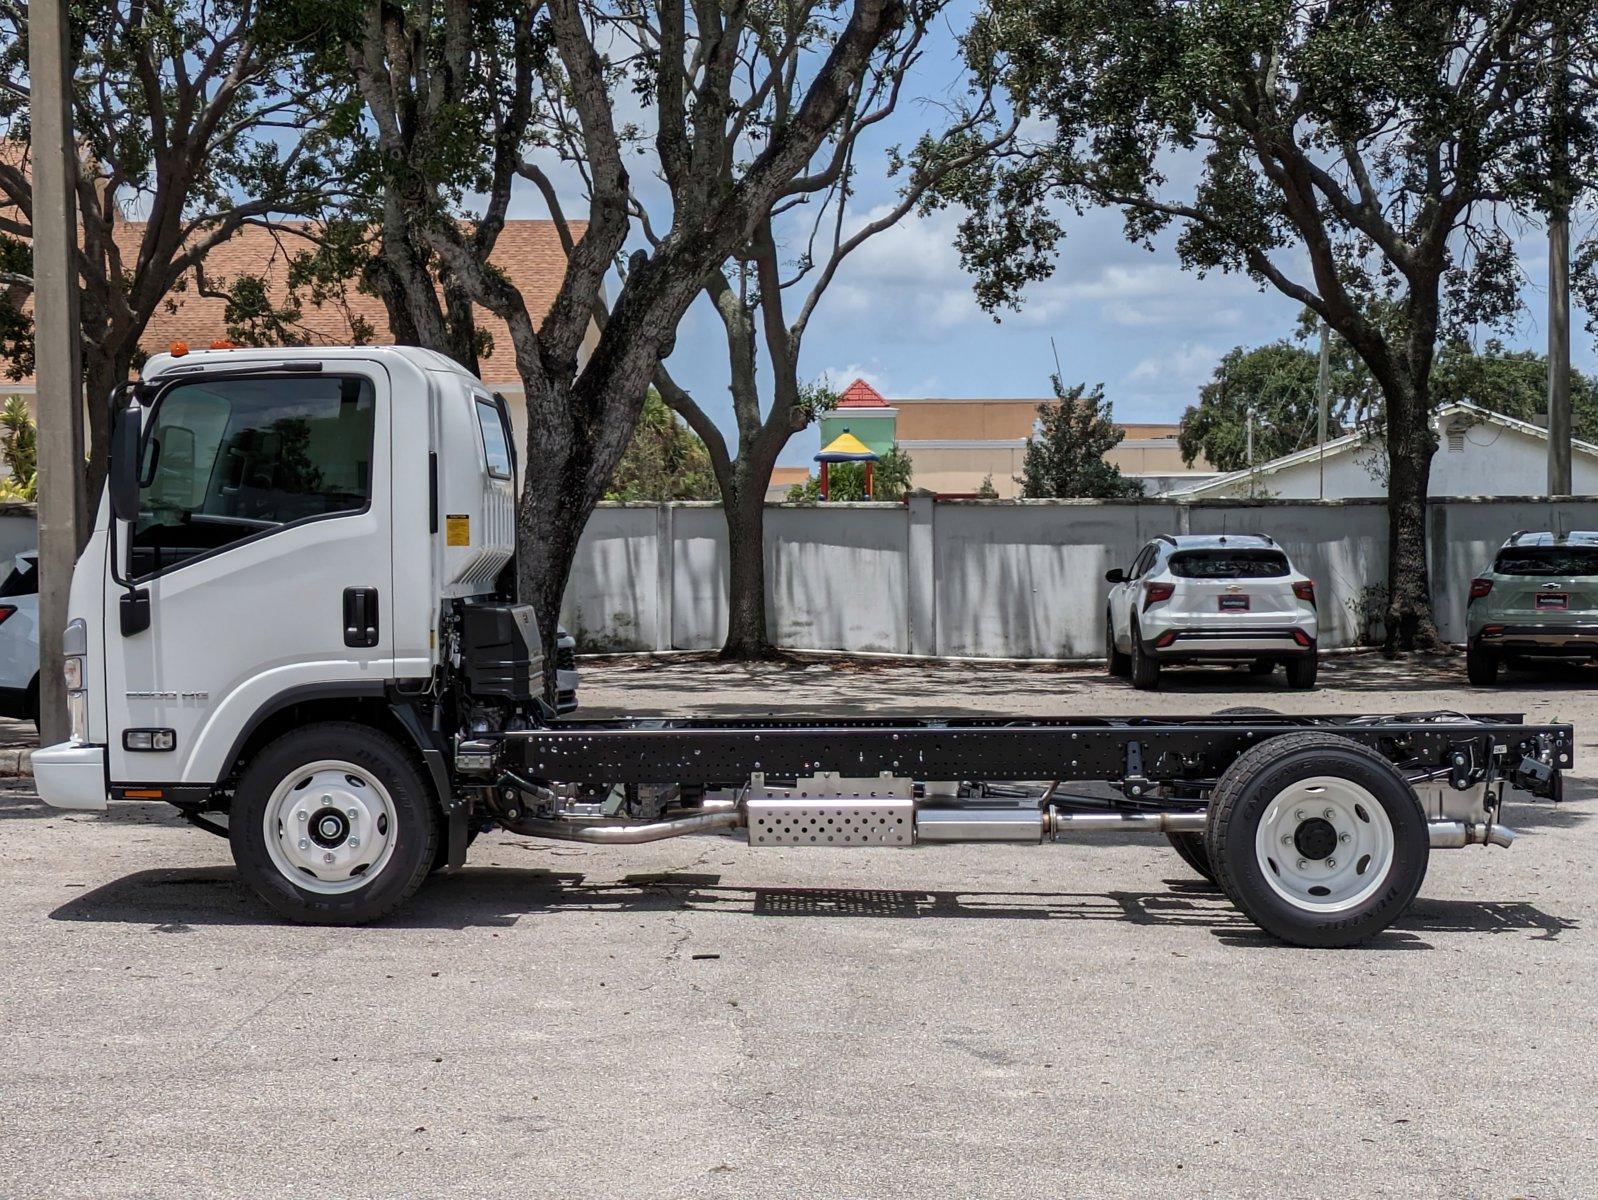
(990, 579)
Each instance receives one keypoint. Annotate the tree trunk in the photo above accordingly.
(1410, 445)
(744, 506)
(555, 505)
(101, 373)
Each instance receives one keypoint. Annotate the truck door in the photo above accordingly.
(263, 538)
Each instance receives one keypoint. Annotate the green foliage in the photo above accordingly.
(1278, 381)
(19, 448)
(987, 491)
(664, 461)
(890, 481)
(1066, 459)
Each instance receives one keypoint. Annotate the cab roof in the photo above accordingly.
(246, 356)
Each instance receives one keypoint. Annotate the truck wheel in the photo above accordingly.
(1317, 839)
(1145, 667)
(1301, 672)
(1189, 848)
(333, 824)
(1118, 664)
(1481, 666)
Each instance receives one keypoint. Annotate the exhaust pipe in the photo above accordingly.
(1454, 835)
(625, 835)
(1033, 825)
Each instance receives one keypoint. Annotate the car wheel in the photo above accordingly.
(333, 824)
(1481, 666)
(1301, 672)
(1117, 663)
(1317, 839)
(1145, 667)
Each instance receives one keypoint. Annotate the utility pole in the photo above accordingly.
(57, 364)
(1249, 449)
(1323, 389)
(1559, 278)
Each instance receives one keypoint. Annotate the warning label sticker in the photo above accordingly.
(457, 530)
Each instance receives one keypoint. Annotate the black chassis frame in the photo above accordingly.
(1180, 755)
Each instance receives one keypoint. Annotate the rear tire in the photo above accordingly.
(1145, 667)
(1301, 672)
(1307, 877)
(1190, 849)
(333, 824)
(1481, 666)
(1118, 664)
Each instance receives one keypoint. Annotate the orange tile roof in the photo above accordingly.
(861, 394)
(529, 252)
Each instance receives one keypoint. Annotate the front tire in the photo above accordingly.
(1145, 667)
(1118, 664)
(333, 824)
(1317, 839)
(1481, 666)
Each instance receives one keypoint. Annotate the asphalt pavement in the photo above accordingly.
(696, 1019)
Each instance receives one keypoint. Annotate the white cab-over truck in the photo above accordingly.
(294, 621)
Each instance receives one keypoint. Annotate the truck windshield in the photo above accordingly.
(1547, 560)
(1229, 564)
(230, 459)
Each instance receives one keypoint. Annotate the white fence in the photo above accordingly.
(989, 579)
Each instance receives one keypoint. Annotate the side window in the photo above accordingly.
(1141, 564)
(231, 459)
(496, 442)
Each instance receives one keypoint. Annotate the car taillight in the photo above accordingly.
(1305, 590)
(6, 612)
(1153, 593)
(1479, 588)
(1301, 637)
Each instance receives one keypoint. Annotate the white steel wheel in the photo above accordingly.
(1324, 844)
(330, 827)
(1317, 838)
(334, 824)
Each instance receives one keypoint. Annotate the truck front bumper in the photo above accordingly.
(70, 776)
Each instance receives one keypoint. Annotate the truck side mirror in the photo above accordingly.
(1115, 575)
(127, 422)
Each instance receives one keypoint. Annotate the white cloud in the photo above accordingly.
(1189, 365)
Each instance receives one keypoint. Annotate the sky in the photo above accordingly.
(901, 314)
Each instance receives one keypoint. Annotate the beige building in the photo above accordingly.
(957, 443)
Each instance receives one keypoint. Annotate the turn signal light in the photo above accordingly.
(1479, 588)
(1305, 590)
(1154, 593)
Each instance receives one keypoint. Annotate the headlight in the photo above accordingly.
(72, 672)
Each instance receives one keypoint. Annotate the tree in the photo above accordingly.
(467, 100)
(767, 292)
(1066, 459)
(19, 450)
(664, 461)
(1359, 158)
(890, 481)
(181, 110)
(1278, 382)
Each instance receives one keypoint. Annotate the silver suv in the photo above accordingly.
(1211, 598)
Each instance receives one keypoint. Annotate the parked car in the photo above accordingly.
(1537, 602)
(19, 638)
(565, 672)
(1211, 598)
(19, 646)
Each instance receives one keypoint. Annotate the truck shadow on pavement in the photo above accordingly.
(183, 899)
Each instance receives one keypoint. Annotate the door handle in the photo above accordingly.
(360, 616)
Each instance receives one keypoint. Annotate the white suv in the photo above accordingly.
(1211, 598)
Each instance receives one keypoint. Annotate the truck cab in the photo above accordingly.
(298, 527)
